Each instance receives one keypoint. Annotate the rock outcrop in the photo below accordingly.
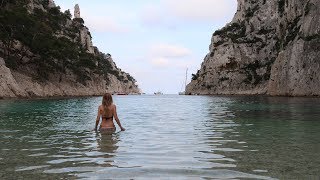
(86, 40)
(51, 4)
(77, 11)
(36, 68)
(8, 85)
(270, 47)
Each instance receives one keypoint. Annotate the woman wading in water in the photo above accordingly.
(107, 110)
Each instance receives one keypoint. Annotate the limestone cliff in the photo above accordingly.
(44, 53)
(270, 47)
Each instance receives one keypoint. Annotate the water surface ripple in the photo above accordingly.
(167, 137)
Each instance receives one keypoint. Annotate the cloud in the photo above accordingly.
(150, 15)
(97, 20)
(160, 62)
(170, 13)
(186, 64)
(166, 55)
(169, 51)
(102, 23)
(105, 24)
(199, 9)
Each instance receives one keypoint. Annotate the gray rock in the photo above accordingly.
(8, 85)
(2, 62)
(270, 47)
(77, 11)
(51, 4)
(86, 40)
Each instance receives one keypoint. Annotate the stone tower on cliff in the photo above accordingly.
(77, 11)
(51, 4)
(85, 37)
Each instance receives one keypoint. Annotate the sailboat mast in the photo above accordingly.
(185, 82)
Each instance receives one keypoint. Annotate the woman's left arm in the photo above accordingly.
(97, 119)
(117, 119)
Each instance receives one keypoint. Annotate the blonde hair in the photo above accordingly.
(106, 101)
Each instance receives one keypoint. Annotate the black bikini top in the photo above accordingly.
(107, 117)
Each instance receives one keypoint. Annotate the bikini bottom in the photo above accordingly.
(107, 130)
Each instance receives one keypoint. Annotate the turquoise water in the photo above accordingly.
(167, 137)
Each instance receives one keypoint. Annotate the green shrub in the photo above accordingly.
(79, 20)
(195, 76)
(281, 6)
(223, 79)
(233, 31)
(250, 12)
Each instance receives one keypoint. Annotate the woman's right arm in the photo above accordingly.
(97, 119)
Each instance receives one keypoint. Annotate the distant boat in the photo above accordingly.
(121, 94)
(158, 93)
(134, 93)
(185, 85)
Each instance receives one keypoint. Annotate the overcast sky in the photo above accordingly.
(154, 40)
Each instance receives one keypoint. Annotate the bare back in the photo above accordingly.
(107, 115)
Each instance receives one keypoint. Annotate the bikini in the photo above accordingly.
(109, 129)
(106, 118)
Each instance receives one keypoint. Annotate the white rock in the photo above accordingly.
(77, 11)
(51, 4)
(2, 62)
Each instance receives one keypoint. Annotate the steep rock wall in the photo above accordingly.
(270, 47)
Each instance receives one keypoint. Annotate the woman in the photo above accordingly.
(107, 110)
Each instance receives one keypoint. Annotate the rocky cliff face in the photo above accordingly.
(54, 57)
(270, 47)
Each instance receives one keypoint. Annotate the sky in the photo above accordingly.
(155, 41)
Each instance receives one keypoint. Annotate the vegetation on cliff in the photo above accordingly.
(270, 47)
(47, 40)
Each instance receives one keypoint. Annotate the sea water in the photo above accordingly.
(166, 137)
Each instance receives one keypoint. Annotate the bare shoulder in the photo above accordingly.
(114, 106)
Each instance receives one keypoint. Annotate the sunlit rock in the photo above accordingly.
(77, 11)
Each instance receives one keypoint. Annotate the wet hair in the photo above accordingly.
(106, 101)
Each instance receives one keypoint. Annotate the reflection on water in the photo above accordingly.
(175, 137)
(107, 146)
